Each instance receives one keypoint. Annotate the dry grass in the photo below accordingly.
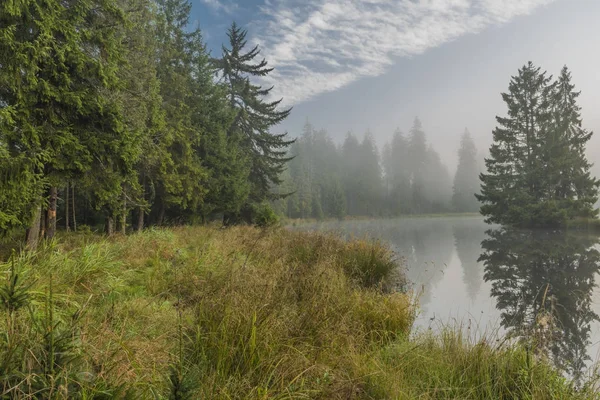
(235, 313)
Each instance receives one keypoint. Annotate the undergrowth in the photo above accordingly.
(234, 313)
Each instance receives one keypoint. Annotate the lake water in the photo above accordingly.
(499, 283)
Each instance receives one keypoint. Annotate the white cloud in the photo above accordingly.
(319, 46)
(221, 5)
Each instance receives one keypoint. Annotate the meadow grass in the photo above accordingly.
(237, 313)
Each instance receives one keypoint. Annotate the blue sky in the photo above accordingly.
(376, 64)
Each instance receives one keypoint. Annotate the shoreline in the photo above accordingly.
(246, 313)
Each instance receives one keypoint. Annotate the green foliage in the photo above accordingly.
(255, 116)
(116, 100)
(21, 187)
(264, 215)
(537, 173)
(59, 71)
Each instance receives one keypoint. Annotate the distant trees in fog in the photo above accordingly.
(466, 179)
(406, 177)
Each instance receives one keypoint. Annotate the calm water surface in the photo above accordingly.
(497, 281)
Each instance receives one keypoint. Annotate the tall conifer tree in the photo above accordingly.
(537, 173)
(417, 166)
(466, 179)
(255, 115)
(568, 169)
(59, 67)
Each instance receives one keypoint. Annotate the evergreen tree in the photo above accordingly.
(368, 178)
(417, 165)
(527, 177)
(59, 114)
(20, 191)
(255, 116)
(335, 198)
(180, 180)
(437, 183)
(350, 170)
(568, 170)
(142, 119)
(397, 174)
(466, 179)
(222, 155)
(314, 177)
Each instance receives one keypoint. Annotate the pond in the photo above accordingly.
(497, 283)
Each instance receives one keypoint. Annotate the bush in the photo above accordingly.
(263, 215)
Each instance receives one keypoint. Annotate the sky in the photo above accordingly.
(358, 65)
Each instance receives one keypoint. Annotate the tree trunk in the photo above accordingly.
(110, 226)
(67, 225)
(161, 214)
(73, 207)
(33, 233)
(140, 222)
(123, 216)
(43, 223)
(51, 228)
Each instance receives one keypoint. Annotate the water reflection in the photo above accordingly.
(521, 280)
(425, 246)
(543, 283)
(467, 240)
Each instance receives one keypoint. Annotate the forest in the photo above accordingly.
(114, 114)
(357, 179)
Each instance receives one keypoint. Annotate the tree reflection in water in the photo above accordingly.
(542, 282)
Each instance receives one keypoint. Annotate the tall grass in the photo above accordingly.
(235, 313)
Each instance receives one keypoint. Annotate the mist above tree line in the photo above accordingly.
(356, 178)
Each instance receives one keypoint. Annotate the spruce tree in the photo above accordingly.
(180, 175)
(397, 172)
(437, 183)
(417, 166)
(255, 116)
(59, 114)
(537, 151)
(336, 200)
(143, 118)
(222, 155)
(350, 170)
(368, 178)
(466, 179)
(568, 169)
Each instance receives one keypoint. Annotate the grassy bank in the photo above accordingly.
(235, 313)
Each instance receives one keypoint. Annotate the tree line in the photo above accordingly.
(355, 178)
(113, 112)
